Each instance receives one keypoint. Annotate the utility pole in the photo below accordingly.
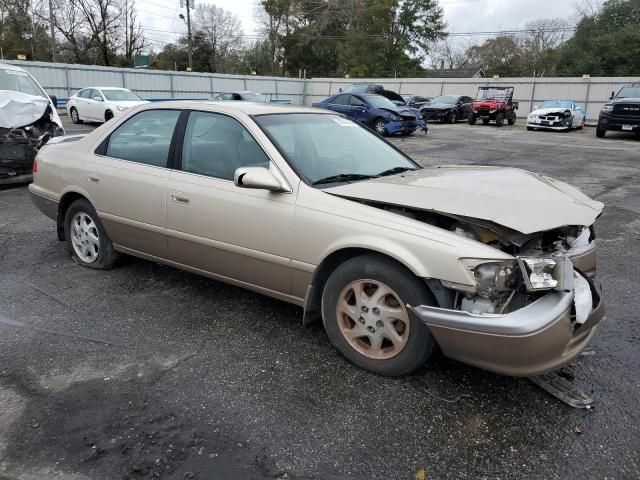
(189, 35)
(53, 36)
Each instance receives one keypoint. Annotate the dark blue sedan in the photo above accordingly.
(376, 112)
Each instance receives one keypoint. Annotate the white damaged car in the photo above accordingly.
(28, 120)
(556, 115)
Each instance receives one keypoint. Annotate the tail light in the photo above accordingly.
(35, 165)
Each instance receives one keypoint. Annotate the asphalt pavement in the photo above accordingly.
(145, 371)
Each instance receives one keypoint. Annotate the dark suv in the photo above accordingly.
(622, 112)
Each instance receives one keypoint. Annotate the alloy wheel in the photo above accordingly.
(74, 115)
(85, 237)
(379, 126)
(373, 319)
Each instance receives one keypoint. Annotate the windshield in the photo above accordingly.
(555, 104)
(448, 99)
(378, 101)
(121, 96)
(492, 94)
(254, 97)
(19, 81)
(318, 146)
(629, 92)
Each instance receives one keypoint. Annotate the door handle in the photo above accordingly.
(179, 199)
(93, 179)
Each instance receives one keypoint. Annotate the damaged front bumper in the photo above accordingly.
(17, 152)
(405, 126)
(535, 339)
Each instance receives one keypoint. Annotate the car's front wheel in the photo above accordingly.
(75, 118)
(600, 132)
(108, 115)
(365, 314)
(379, 127)
(87, 239)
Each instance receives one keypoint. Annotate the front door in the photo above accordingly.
(216, 227)
(126, 181)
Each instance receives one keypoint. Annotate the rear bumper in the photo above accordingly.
(45, 205)
(532, 340)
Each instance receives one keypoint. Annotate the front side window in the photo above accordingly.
(378, 101)
(144, 138)
(86, 93)
(341, 100)
(217, 145)
(318, 146)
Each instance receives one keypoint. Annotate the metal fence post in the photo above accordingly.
(533, 93)
(171, 83)
(441, 88)
(66, 79)
(586, 100)
(124, 82)
(211, 84)
(277, 81)
(244, 81)
(304, 91)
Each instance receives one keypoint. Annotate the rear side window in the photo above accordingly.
(341, 100)
(144, 138)
(86, 93)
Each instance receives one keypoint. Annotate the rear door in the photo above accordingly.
(126, 179)
(340, 103)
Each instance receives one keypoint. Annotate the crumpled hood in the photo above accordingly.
(549, 111)
(523, 201)
(20, 109)
(403, 111)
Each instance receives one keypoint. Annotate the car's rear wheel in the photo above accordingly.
(379, 127)
(108, 115)
(511, 120)
(365, 314)
(87, 239)
(75, 118)
(499, 119)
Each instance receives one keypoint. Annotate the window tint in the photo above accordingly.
(216, 145)
(144, 138)
(85, 93)
(94, 93)
(341, 100)
(356, 102)
(226, 96)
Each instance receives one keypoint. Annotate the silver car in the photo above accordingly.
(496, 266)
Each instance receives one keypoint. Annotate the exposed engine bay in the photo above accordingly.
(543, 263)
(19, 145)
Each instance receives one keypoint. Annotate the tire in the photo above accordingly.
(486, 121)
(75, 118)
(472, 119)
(581, 126)
(511, 120)
(379, 127)
(86, 238)
(600, 132)
(108, 115)
(452, 117)
(499, 119)
(395, 354)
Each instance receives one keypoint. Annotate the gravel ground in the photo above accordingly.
(144, 371)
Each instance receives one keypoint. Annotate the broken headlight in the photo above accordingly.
(538, 272)
(493, 277)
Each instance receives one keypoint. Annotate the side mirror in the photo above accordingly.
(97, 99)
(257, 177)
(54, 100)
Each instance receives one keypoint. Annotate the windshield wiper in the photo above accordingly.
(394, 171)
(343, 177)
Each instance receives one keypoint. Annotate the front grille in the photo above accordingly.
(548, 118)
(627, 110)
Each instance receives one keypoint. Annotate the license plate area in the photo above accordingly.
(628, 128)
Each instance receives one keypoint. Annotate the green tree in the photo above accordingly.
(605, 43)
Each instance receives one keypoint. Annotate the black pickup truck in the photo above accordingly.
(622, 112)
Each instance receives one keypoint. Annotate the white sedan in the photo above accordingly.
(101, 104)
(556, 115)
